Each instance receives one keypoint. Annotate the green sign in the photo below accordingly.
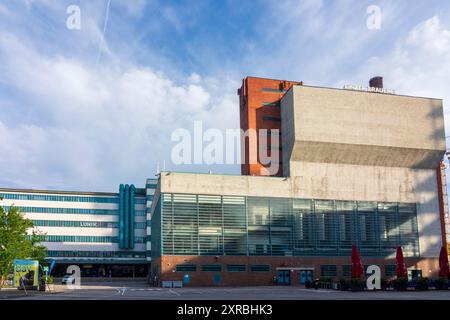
(26, 273)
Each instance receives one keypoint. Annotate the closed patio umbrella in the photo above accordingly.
(357, 267)
(444, 270)
(401, 266)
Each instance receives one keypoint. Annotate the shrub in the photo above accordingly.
(345, 284)
(441, 284)
(422, 284)
(383, 283)
(401, 284)
(357, 284)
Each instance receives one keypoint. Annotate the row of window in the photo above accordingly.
(271, 104)
(151, 185)
(331, 270)
(72, 211)
(140, 201)
(100, 239)
(325, 270)
(270, 118)
(232, 225)
(84, 224)
(96, 254)
(47, 197)
(65, 210)
(273, 90)
(218, 268)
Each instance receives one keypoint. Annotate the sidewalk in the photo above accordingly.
(11, 293)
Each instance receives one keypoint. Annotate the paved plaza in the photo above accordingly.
(141, 291)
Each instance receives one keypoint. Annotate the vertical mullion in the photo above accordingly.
(247, 251)
(270, 225)
(223, 226)
(198, 224)
(173, 223)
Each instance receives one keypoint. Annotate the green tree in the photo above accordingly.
(16, 243)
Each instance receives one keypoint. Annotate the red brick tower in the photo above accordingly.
(259, 101)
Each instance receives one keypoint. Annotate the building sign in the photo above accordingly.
(26, 273)
(369, 89)
(89, 224)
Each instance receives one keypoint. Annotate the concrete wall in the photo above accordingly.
(366, 146)
(343, 126)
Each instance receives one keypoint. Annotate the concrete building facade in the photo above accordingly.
(358, 168)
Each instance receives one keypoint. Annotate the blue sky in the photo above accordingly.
(72, 120)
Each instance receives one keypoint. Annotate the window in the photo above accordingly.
(236, 267)
(273, 90)
(260, 268)
(211, 268)
(271, 104)
(269, 118)
(262, 226)
(101, 239)
(48, 197)
(96, 254)
(65, 210)
(328, 270)
(142, 200)
(75, 224)
(185, 267)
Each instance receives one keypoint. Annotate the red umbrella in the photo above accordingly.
(444, 270)
(357, 267)
(401, 266)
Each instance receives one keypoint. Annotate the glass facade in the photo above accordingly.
(47, 197)
(64, 210)
(101, 239)
(83, 224)
(233, 225)
(96, 254)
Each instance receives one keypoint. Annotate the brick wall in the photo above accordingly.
(247, 278)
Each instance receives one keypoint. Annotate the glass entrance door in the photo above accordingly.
(306, 275)
(284, 277)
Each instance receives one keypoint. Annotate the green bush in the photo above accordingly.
(326, 280)
(441, 284)
(345, 284)
(401, 284)
(383, 283)
(422, 284)
(50, 279)
(357, 284)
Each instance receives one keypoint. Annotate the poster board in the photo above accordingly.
(26, 272)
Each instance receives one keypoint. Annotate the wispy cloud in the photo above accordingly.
(66, 124)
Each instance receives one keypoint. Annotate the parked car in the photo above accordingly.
(68, 279)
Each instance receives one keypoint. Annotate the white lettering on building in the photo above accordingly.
(369, 89)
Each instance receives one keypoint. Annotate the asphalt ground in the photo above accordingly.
(141, 291)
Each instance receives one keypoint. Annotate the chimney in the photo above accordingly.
(376, 82)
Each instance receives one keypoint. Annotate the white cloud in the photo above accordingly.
(97, 127)
(418, 65)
